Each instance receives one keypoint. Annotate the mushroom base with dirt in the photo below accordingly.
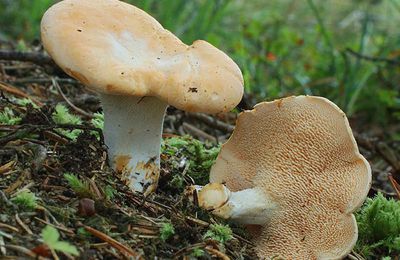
(132, 132)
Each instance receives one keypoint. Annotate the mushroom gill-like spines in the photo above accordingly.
(116, 48)
(301, 152)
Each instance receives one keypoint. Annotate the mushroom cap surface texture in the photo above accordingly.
(116, 48)
(301, 152)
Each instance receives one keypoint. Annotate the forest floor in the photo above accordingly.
(51, 176)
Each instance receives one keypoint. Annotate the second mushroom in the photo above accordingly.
(138, 68)
(292, 171)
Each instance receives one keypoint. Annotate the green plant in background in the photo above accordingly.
(189, 20)
(304, 52)
(51, 238)
(25, 200)
(198, 156)
(166, 231)
(7, 117)
(379, 227)
(80, 187)
(21, 18)
(219, 232)
(283, 47)
(61, 115)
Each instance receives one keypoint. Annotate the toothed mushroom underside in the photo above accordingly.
(300, 152)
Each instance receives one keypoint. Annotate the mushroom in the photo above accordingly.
(138, 68)
(292, 170)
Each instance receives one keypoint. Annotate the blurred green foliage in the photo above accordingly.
(284, 47)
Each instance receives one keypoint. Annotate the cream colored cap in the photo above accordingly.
(115, 48)
(301, 152)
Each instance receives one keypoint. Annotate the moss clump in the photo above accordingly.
(379, 228)
(167, 230)
(25, 200)
(98, 122)
(79, 186)
(7, 117)
(198, 157)
(62, 115)
(220, 233)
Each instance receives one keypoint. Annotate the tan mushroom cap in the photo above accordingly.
(301, 151)
(116, 48)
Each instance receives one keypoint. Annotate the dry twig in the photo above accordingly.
(112, 242)
(77, 109)
(34, 57)
(17, 92)
(213, 122)
(199, 133)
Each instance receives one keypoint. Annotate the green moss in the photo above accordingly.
(7, 117)
(98, 122)
(110, 192)
(220, 233)
(25, 200)
(26, 102)
(197, 252)
(379, 228)
(80, 187)
(62, 115)
(166, 231)
(199, 156)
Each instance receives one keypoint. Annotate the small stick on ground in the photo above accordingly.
(34, 57)
(63, 229)
(2, 225)
(16, 92)
(77, 109)
(44, 80)
(395, 185)
(217, 253)
(199, 133)
(112, 242)
(3, 250)
(22, 224)
(24, 251)
(213, 122)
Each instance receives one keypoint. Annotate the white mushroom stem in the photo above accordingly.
(249, 206)
(132, 133)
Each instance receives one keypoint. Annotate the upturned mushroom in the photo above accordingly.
(138, 68)
(293, 171)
